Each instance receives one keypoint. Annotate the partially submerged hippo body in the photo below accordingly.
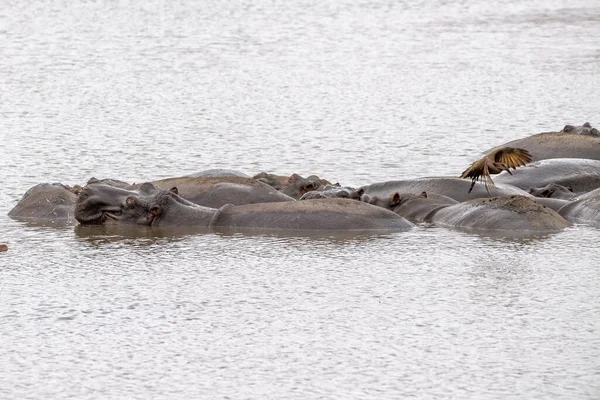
(580, 175)
(584, 209)
(151, 206)
(294, 186)
(332, 192)
(571, 142)
(218, 173)
(216, 192)
(508, 214)
(414, 208)
(47, 202)
(455, 188)
(553, 190)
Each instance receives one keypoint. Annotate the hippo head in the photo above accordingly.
(585, 129)
(391, 202)
(99, 204)
(333, 191)
(553, 190)
(146, 206)
(297, 186)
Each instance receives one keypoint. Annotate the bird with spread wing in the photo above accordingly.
(497, 161)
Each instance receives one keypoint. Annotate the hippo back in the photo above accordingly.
(46, 202)
(571, 144)
(580, 175)
(455, 188)
(216, 192)
(311, 215)
(508, 214)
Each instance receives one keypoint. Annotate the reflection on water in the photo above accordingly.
(355, 92)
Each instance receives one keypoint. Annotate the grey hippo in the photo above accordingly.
(47, 202)
(413, 207)
(516, 214)
(570, 142)
(584, 209)
(218, 173)
(453, 187)
(294, 186)
(55, 202)
(580, 175)
(332, 191)
(553, 190)
(151, 206)
(217, 191)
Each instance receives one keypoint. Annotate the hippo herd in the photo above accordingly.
(557, 182)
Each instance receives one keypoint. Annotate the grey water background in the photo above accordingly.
(354, 91)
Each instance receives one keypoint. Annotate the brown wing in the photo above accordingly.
(512, 157)
(479, 171)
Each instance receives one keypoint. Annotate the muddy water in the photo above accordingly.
(355, 92)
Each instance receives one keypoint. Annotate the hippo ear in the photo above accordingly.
(293, 178)
(360, 192)
(423, 194)
(155, 210)
(395, 200)
(174, 190)
(131, 202)
(568, 128)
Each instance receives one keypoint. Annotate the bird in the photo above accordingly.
(495, 162)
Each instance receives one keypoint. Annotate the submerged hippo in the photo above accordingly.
(294, 186)
(585, 209)
(3, 248)
(413, 207)
(218, 173)
(553, 190)
(509, 214)
(151, 206)
(571, 142)
(332, 191)
(580, 175)
(47, 202)
(455, 188)
(216, 192)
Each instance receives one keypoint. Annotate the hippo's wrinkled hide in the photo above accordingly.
(511, 213)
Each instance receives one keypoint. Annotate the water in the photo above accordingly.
(357, 92)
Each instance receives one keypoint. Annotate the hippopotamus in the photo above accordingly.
(218, 173)
(553, 190)
(570, 142)
(111, 182)
(152, 206)
(413, 207)
(47, 202)
(216, 192)
(518, 214)
(584, 209)
(453, 187)
(294, 186)
(332, 191)
(581, 175)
